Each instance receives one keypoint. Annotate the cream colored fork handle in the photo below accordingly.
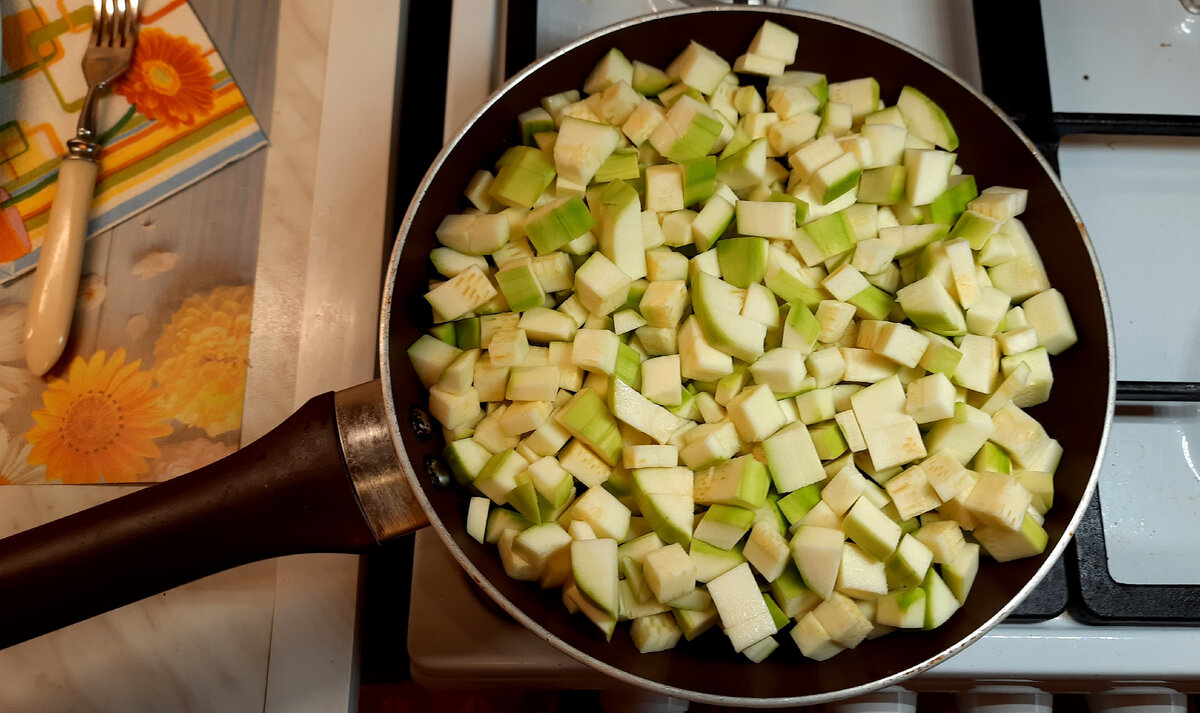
(56, 281)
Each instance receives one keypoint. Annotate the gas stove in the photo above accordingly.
(1110, 93)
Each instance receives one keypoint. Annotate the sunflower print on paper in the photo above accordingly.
(169, 81)
(99, 424)
(202, 357)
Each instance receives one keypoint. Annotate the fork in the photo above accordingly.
(56, 281)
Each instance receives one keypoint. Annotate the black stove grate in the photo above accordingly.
(1049, 599)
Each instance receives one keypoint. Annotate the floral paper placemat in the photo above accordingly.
(153, 381)
(112, 416)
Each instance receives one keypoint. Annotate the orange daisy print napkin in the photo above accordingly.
(175, 117)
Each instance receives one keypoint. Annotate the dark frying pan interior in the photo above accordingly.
(707, 669)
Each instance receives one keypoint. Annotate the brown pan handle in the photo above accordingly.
(322, 481)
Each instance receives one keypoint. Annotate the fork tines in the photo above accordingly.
(113, 21)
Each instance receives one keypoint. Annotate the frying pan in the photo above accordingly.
(360, 466)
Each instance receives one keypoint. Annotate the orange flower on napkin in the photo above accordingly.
(170, 80)
(98, 424)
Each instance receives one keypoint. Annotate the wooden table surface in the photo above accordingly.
(277, 635)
